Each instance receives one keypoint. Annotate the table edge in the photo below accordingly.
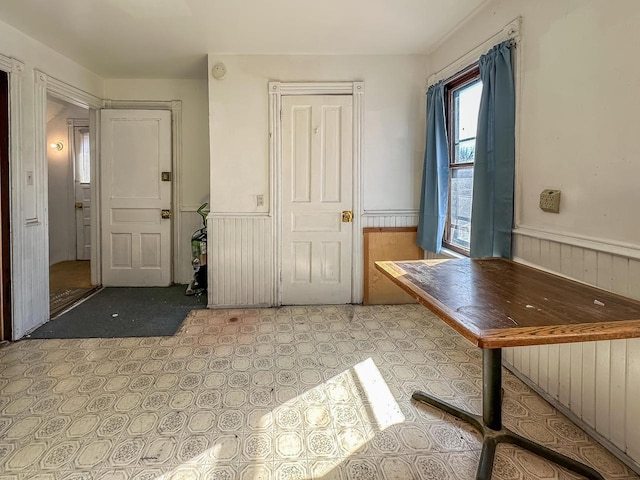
(517, 336)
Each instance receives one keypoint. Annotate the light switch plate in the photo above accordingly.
(550, 201)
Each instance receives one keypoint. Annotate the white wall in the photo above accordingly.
(62, 218)
(393, 124)
(241, 268)
(578, 123)
(578, 110)
(195, 149)
(30, 268)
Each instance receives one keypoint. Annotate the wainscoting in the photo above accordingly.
(391, 218)
(597, 384)
(240, 261)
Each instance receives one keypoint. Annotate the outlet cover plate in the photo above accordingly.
(550, 201)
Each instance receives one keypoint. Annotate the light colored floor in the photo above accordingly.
(289, 393)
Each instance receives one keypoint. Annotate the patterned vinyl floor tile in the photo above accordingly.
(290, 393)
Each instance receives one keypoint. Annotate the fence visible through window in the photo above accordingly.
(463, 104)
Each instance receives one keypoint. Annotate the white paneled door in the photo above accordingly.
(316, 190)
(82, 182)
(135, 150)
(83, 221)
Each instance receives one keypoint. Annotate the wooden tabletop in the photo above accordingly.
(497, 303)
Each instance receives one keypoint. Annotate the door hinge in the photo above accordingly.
(79, 206)
(280, 114)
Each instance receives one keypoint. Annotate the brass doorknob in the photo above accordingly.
(166, 213)
(347, 216)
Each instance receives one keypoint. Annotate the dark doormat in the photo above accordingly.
(125, 312)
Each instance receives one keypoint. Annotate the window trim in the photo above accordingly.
(465, 77)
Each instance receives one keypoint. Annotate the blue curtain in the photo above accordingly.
(435, 174)
(493, 176)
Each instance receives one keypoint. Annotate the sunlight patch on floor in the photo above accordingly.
(360, 388)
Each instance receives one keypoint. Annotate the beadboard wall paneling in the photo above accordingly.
(240, 261)
(597, 383)
(31, 288)
(403, 218)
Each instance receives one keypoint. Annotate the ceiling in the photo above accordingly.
(171, 38)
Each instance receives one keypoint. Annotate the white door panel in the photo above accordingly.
(83, 221)
(82, 192)
(136, 149)
(317, 188)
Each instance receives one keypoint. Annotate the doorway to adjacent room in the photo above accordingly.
(70, 209)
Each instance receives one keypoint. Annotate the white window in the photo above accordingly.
(83, 160)
(462, 96)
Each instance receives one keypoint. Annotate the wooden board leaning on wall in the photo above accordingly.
(387, 243)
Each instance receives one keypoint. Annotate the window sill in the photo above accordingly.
(444, 253)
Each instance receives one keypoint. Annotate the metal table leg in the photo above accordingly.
(490, 423)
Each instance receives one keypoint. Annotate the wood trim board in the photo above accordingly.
(5, 225)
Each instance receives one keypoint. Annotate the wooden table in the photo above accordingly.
(497, 303)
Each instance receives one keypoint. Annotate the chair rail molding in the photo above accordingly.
(275, 91)
(592, 243)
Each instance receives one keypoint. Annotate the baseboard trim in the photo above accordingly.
(238, 307)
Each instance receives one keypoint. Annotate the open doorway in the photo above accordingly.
(69, 181)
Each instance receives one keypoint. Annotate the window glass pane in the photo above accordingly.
(460, 209)
(84, 160)
(466, 103)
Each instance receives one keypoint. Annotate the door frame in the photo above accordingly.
(175, 107)
(276, 91)
(15, 70)
(50, 86)
(5, 211)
